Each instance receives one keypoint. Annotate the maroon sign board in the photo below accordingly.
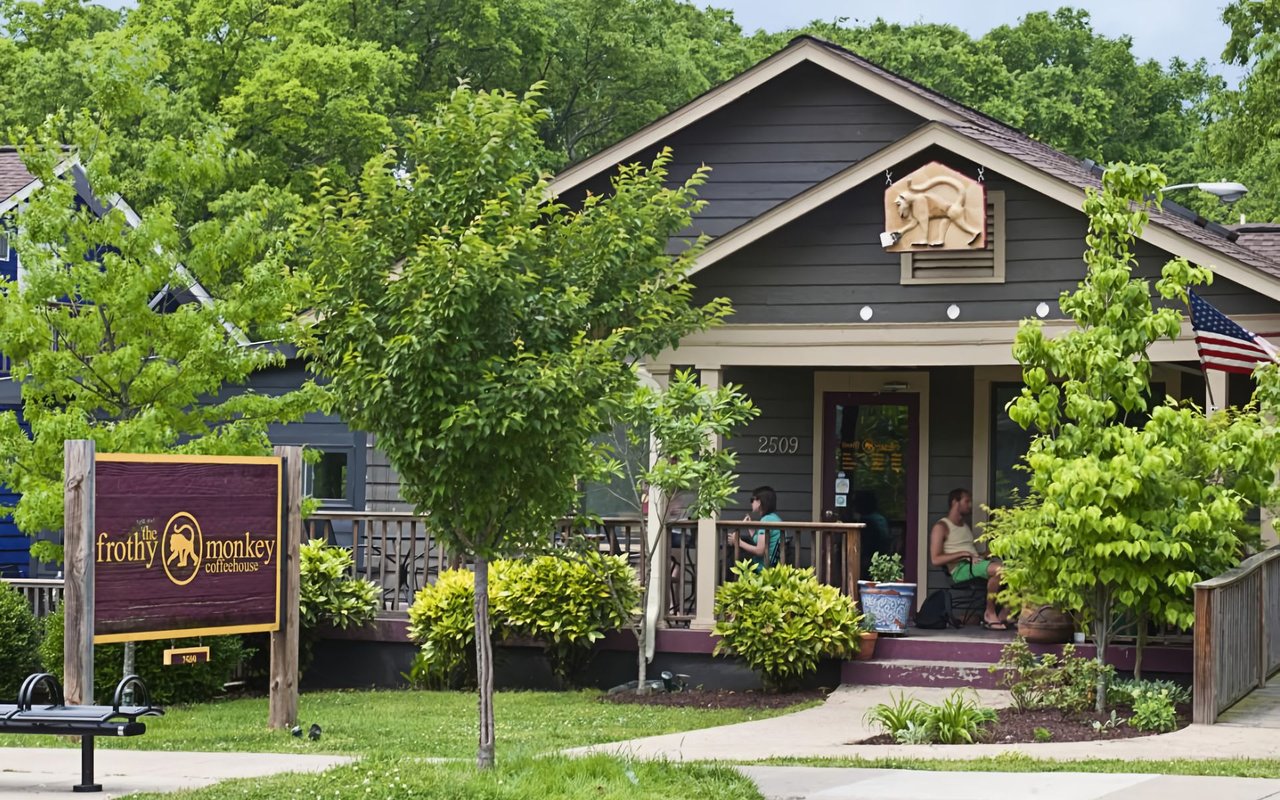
(185, 546)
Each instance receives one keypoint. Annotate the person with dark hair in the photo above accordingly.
(764, 548)
(876, 537)
(951, 546)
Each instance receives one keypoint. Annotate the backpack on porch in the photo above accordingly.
(935, 612)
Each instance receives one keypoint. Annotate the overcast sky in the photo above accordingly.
(1160, 29)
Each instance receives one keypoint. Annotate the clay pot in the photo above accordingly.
(1045, 625)
(866, 645)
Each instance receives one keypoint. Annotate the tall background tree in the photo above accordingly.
(101, 353)
(485, 335)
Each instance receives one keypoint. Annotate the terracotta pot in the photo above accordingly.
(866, 645)
(1045, 625)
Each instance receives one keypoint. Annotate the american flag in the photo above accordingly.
(1224, 345)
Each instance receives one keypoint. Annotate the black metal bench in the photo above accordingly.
(87, 722)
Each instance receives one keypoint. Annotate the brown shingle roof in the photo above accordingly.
(1260, 237)
(13, 175)
(1012, 142)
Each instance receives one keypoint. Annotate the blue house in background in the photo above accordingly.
(338, 478)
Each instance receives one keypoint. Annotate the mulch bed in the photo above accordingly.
(702, 698)
(1012, 726)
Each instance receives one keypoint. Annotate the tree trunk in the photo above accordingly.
(1142, 643)
(1102, 624)
(484, 665)
(642, 631)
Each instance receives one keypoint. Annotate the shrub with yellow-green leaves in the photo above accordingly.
(567, 602)
(782, 622)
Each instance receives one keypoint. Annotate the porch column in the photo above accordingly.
(708, 539)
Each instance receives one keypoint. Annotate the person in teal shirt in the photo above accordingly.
(764, 548)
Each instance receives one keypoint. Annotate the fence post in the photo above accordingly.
(1264, 646)
(1204, 708)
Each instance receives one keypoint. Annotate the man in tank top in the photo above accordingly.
(951, 547)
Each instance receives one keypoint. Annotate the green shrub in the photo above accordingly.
(19, 640)
(442, 620)
(1042, 735)
(781, 621)
(1127, 692)
(326, 595)
(189, 683)
(958, 719)
(898, 715)
(568, 604)
(1069, 683)
(886, 568)
(1153, 710)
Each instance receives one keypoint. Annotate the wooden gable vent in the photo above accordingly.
(963, 266)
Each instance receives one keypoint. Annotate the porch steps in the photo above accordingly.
(963, 658)
(912, 672)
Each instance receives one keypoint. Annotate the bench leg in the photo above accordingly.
(86, 783)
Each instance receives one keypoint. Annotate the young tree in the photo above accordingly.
(681, 425)
(98, 356)
(1119, 516)
(483, 332)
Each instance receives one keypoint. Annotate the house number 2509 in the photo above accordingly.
(782, 445)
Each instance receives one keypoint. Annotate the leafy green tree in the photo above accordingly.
(1121, 517)
(1051, 76)
(95, 359)
(484, 334)
(682, 424)
(1240, 141)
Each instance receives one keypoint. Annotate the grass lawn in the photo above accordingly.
(519, 778)
(1018, 762)
(412, 724)
(397, 733)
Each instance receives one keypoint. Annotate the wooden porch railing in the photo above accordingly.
(397, 551)
(44, 595)
(1237, 634)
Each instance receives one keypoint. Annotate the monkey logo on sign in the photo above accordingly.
(181, 547)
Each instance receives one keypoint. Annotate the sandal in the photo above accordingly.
(995, 626)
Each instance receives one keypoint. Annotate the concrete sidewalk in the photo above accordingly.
(832, 730)
(27, 772)
(817, 783)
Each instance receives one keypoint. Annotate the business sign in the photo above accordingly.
(185, 546)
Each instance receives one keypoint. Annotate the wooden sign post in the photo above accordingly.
(77, 570)
(175, 546)
(283, 711)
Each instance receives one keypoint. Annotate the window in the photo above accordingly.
(1009, 443)
(328, 480)
(963, 266)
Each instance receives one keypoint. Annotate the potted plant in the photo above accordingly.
(886, 597)
(1041, 623)
(866, 637)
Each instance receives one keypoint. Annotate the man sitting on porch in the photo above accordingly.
(951, 547)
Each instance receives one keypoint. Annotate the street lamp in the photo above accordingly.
(1227, 192)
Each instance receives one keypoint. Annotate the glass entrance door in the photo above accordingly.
(870, 474)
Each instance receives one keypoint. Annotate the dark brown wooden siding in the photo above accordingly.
(785, 399)
(826, 265)
(777, 141)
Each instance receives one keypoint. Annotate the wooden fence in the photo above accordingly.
(1237, 634)
(43, 595)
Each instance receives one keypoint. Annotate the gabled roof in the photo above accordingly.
(951, 125)
(1260, 237)
(13, 173)
(17, 184)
